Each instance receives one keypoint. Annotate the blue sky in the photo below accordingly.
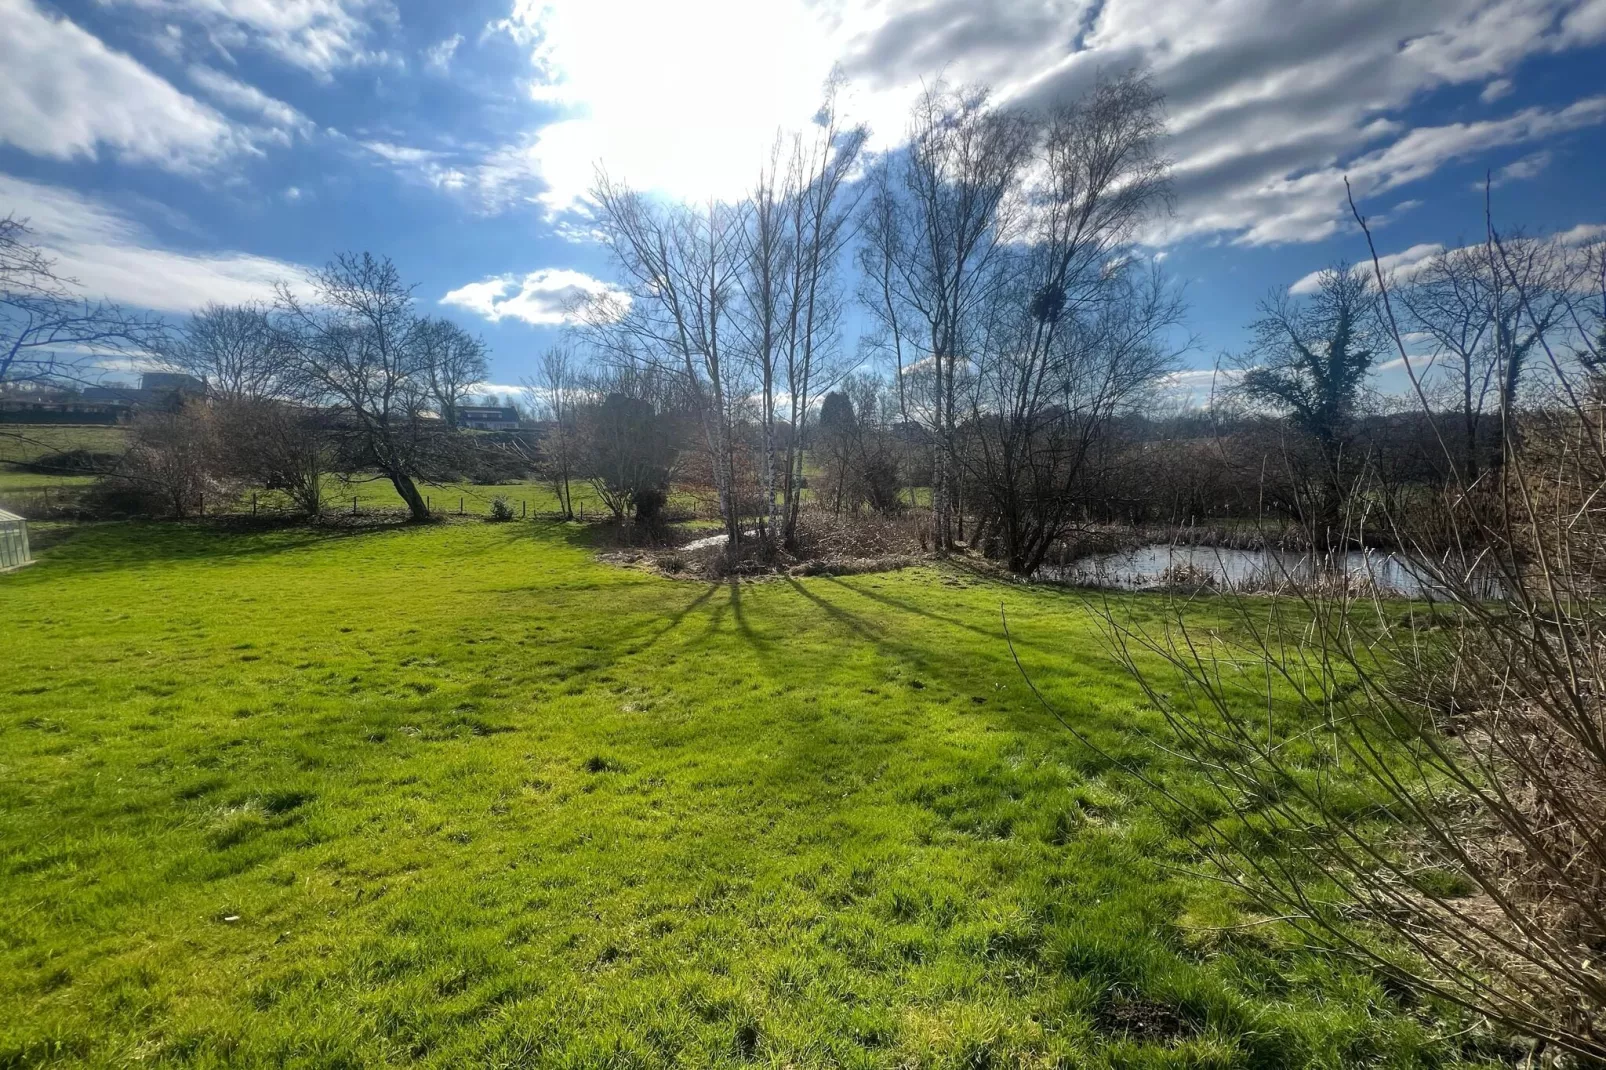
(177, 151)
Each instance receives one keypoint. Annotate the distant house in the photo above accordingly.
(156, 389)
(488, 417)
(171, 381)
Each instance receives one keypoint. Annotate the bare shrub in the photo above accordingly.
(822, 534)
(276, 445)
(1426, 789)
(627, 455)
(173, 467)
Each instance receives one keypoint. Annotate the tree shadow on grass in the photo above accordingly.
(865, 629)
(994, 635)
(961, 669)
(905, 606)
(733, 605)
(1142, 607)
(674, 621)
(881, 637)
(120, 544)
(632, 634)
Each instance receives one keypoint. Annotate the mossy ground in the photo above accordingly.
(460, 795)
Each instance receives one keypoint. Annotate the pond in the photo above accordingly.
(1159, 564)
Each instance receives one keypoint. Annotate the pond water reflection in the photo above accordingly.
(1160, 564)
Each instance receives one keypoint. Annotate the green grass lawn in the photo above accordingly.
(37, 492)
(32, 482)
(474, 498)
(27, 491)
(459, 795)
(22, 443)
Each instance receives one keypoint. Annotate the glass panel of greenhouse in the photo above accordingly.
(13, 540)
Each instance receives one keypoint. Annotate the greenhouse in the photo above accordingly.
(13, 541)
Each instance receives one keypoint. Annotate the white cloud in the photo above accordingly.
(1270, 100)
(1495, 90)
(1273, 104)
(1198, 377)
(319, 36)
(545, 298)
(1582, 234)
(401, 155)
(1382, 219)
(169, 41)
(1197, 386)
(438, 57)
(1530, 166)
(1398, 266)
(1586, 22)
(64, 94)
(1404, 267)
(113, 256)
(495, 180)
(1425, 149)
(510, 390)
(1311, 205)
(238, 96)
(432, 166)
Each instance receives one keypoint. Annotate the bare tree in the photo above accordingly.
(799, 220)
(1526, 306)
(454, 361)
(1451, 300)
(768, 254)
(556, 395)
(278, 444)
(1075, 328)
(48, 332)
(1584, 294)
(265, 425)
(1463, 299)
(1039, 415)
(354, 348)
(941, 221)
(231, 348)
(859, 456)
(877, 259)
(821, 217)
(680, 267)
(1310, 360)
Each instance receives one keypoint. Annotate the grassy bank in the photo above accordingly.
(460, 795)
(26, 443)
